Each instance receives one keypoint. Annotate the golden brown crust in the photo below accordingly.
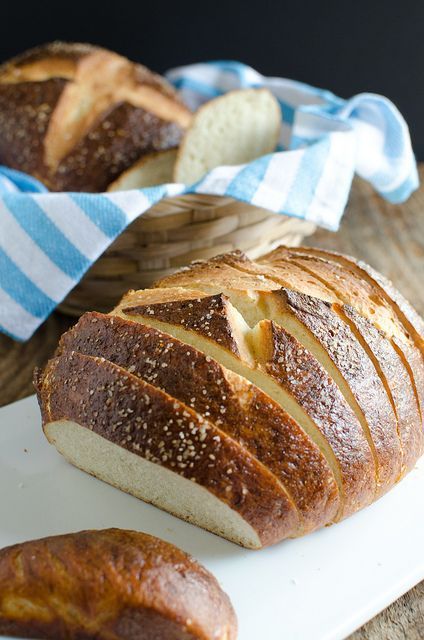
(146, 421)
(115, 142)
(411, 320)
(219, 271)
(406, 327)
(297, 370)
(206, 315)
(57, 50)
(356, 368)
(345, 283)
(398, 386)
(407, 315)
(109, 585)
(25, 111)
(229, 401)
(76, 116)
(367, 292)
(286, 274)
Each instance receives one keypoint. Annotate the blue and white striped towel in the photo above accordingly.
(49, 240)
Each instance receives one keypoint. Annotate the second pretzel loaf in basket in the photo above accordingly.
(259, 400)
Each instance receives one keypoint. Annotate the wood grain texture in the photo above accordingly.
(391, 239)
(388, 237)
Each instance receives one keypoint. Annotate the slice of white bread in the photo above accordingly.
(131, 434)
(150, 170)
(233, 129)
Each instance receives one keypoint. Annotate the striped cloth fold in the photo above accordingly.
(49, 240)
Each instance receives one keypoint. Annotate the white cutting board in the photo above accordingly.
(321, 587)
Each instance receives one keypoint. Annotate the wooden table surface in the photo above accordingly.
(391, 239)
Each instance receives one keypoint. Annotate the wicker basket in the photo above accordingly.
(173, 233)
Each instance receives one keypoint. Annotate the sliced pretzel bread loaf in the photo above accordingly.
(278, 362)
(76, 116)
(109, 584)
(131, 434)
(227, 400)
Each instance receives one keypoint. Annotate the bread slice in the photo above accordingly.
(313, 322)
(324, 430)
(227, 400)
(150, 170)
(296, 370)
(230, 130)
(109, 583)
(136, 437)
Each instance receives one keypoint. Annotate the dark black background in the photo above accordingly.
(343, 46)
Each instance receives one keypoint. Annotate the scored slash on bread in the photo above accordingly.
(283, 358)
(110, 584)
(313, 388)
(77, 116)
(336, 348)
(233, 129)
(401, 366)
(385, 294)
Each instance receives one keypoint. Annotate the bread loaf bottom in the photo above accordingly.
(109, 585)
